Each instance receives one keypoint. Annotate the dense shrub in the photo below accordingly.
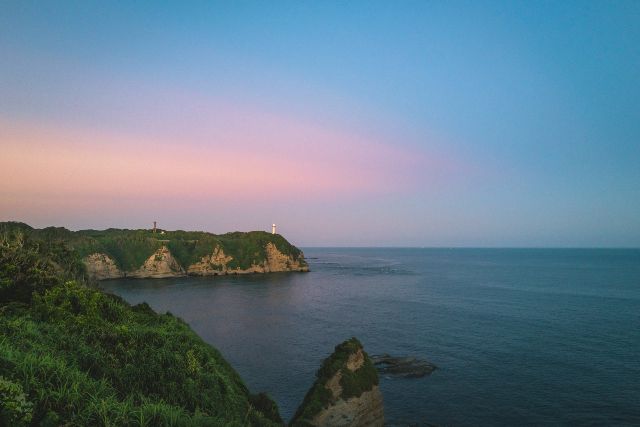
(23, 269)
(266, 406)
(15, 410)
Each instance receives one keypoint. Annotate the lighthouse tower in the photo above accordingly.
(273, 229)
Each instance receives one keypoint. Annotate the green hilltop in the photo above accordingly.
(130, 248)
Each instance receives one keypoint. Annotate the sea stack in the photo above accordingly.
(345, 392)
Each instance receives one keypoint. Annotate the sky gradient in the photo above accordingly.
(345, 123)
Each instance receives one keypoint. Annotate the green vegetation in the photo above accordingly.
(130, 248)
(353, 383)
(73, 355)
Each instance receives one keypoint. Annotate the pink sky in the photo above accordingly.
(88, 177)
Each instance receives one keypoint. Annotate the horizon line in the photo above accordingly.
(469, 247)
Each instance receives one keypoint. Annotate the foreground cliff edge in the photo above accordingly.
(71, 354)
(118, 253)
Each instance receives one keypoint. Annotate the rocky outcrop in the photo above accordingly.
(162, 264)
(364, 411)
(345, 393)
(159, 265)
(277, 261)
(101, 267)
(217, 263)
(405, 367)
(211, 265)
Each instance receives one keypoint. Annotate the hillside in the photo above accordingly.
(117, 253)
(73, 355)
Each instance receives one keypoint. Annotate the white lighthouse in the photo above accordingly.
(273, 229)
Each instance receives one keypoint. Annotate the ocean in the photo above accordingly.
(520, 336)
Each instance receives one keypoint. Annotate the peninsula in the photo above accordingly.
(155, 253)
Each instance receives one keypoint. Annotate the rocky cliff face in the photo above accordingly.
(277, 261)
(160, 264)
(211, 265)
(102, 267)
(364, 411)
(346, 392)
(218, 263)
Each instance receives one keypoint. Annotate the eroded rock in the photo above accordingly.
(160, 264)
(211, 265)
(345, 392)
(101, 267)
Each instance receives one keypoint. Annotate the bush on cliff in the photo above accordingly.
(24, 268)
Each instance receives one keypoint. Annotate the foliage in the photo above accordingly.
(265, 405)
(74, 355)
(23, 269)
(14, 408)
(353, 383)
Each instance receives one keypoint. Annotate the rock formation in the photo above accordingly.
(160, 264)
(345, 392)
(277, 261)
(211, 265)
(102, 266)
(217, 263)
(405, 367)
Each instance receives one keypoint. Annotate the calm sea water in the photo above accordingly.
(521, 336)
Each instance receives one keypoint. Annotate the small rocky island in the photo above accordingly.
(404, 367)
(345, 392)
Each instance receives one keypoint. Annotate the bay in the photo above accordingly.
(520, 336)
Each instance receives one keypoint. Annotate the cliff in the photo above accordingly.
(101, 267)
(116, 253)
(219, 263)
(345, 392)
(160, 264)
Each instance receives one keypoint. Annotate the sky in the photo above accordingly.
(359, 123)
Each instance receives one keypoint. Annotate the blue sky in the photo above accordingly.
(365, 123)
